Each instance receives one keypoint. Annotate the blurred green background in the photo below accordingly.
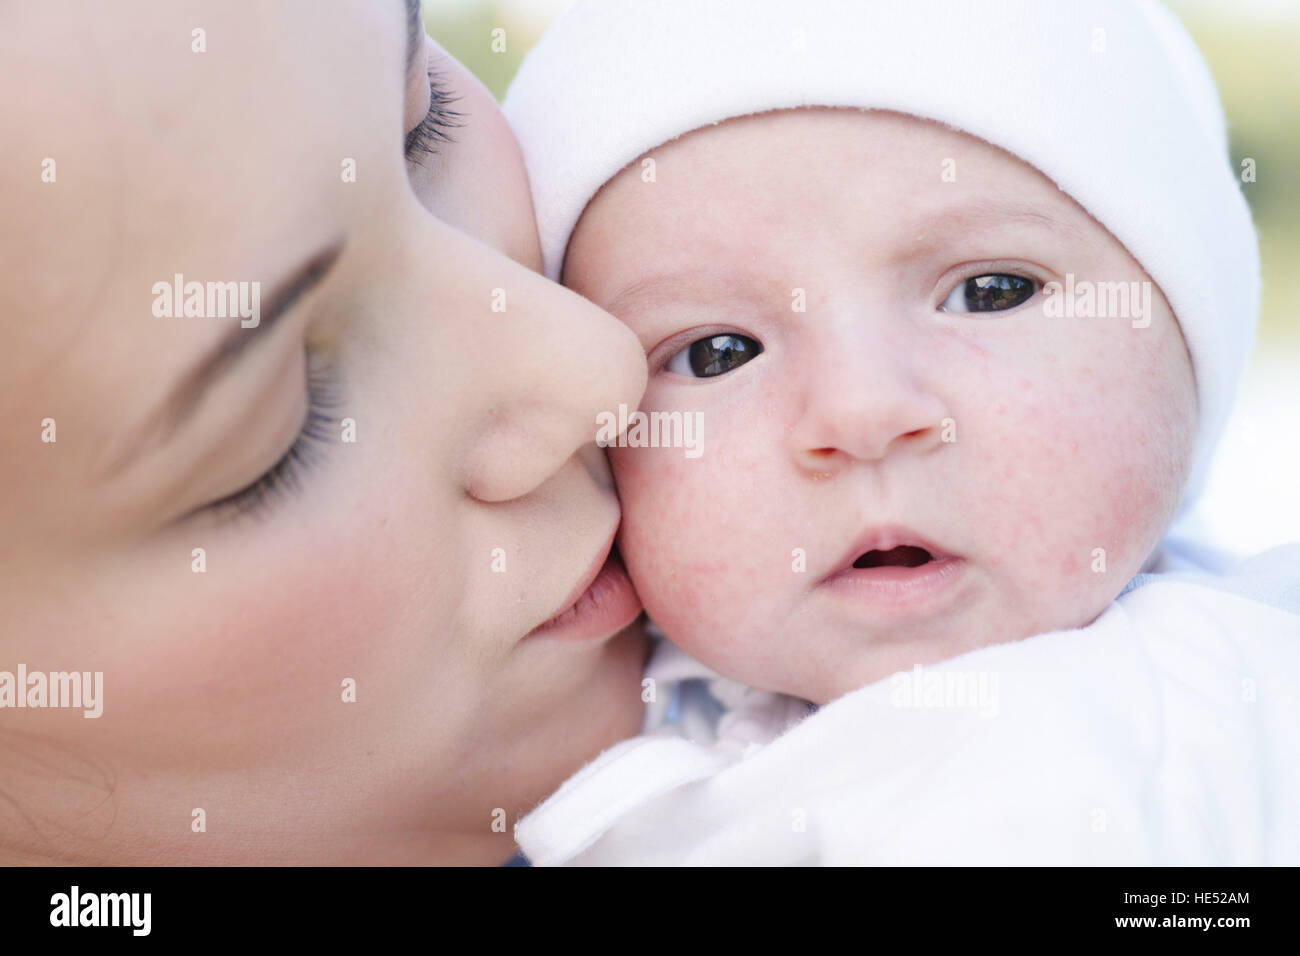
(1252, 47)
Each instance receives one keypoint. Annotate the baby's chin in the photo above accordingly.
(820, 659)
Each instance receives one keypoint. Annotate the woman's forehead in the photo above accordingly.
(180, 143)
(151, 136)
(96, 72)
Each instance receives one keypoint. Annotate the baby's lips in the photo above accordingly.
(886, 538)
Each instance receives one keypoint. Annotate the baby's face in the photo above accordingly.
(902, 458)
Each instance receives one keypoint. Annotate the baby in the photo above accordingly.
(960, 308)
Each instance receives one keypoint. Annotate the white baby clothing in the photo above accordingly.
(1167, 731)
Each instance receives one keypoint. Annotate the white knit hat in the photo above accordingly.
(1110, 99)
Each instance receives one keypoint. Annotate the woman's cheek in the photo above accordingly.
(276, 640)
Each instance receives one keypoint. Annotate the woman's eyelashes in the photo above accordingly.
(319, 430)
(994, 292)
(436, 125)
(714, 355)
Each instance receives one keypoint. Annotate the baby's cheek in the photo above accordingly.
(1093, 481)
(695, 538)
(1149, 409)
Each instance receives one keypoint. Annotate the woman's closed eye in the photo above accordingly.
(992, 292)
(320, 428)
(436, 124)
(714, 355)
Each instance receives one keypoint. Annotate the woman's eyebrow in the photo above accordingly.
(185, 395)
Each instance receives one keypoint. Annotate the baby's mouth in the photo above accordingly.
(903, 556)
(892, 553)
(895, 571)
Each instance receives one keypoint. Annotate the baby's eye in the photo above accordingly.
(715, 355)
(990, 293)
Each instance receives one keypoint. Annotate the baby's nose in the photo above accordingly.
(864, 411)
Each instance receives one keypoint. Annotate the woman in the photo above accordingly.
(310, 542)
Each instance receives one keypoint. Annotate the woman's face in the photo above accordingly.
(374, 487)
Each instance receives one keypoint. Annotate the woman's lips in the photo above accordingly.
(605, 605)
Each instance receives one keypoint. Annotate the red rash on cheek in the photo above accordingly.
(1085, 466)
(686, 530)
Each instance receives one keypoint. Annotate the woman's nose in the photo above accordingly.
(553, 365)
(861, 399)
